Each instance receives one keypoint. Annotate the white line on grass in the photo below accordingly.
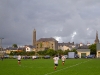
(29, 67)
(67, 67)
(24, 66)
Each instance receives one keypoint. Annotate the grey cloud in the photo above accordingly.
(50, 18)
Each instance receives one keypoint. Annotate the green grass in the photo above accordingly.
(46, 67)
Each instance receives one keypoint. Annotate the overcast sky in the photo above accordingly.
(65, 20)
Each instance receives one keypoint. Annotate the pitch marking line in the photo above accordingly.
(67, 67)
(24, 66)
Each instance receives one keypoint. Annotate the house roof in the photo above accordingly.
(11, 48)
(65, 44)
(83, 47)
(46, 39)
(30, 46)
(83, 50)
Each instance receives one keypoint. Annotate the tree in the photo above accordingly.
(92, 49)
(60, 52)
(50, 52)
(15, 46)
(66, 52)
(74, 50)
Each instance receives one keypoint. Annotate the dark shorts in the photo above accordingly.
(18, 60)
(56, 64)
(63, 61)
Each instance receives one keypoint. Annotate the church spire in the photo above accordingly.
(96, 40)
(97, 34)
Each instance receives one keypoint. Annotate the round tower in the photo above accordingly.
(34, 37)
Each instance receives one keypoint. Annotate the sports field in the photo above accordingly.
(46, 67)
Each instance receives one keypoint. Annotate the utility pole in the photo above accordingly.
(1, 45)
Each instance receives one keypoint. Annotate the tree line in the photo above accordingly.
(51, 52)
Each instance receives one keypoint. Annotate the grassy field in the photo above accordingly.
(46, 67)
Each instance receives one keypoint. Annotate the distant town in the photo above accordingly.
(43, 44)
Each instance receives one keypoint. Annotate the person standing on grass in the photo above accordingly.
(33, 57)
(2, 57)
(56, 58)
(19, 59)
(63, 59)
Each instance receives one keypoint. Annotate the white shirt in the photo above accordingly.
(63, 58)
(19, 57)
(33, 57)
(56, 60)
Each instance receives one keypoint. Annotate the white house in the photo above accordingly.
(30, 48)
(66, 46)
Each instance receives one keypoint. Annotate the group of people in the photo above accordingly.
(56, 58)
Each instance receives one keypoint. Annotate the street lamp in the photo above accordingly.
(1, 44)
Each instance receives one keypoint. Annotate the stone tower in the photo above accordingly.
(96, 40)
(34, 37)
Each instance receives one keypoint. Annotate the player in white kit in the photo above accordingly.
(63, 59)
(19, 59)
(56, 58)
